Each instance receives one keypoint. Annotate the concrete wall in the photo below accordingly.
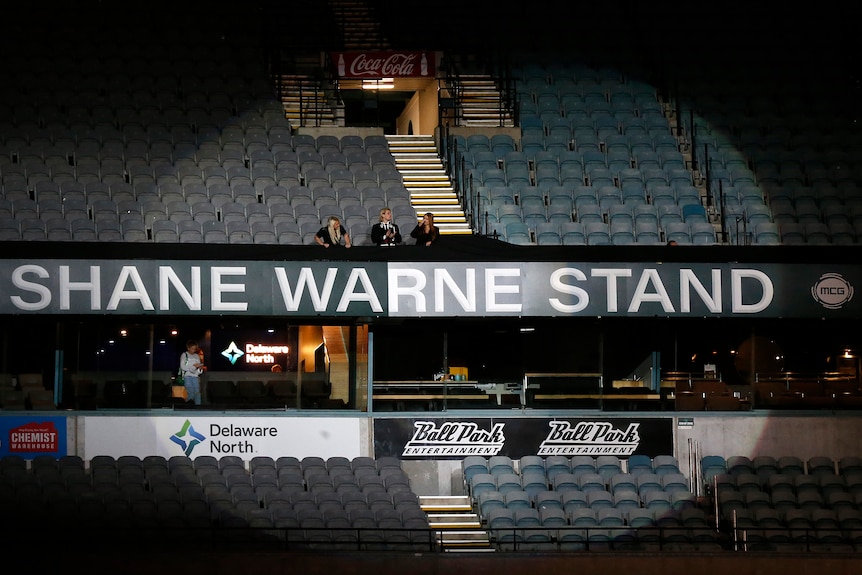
(834, 434)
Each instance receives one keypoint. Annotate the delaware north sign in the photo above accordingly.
(409, 289)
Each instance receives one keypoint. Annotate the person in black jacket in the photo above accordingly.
(332, 234)
(385, 233)
(426, 233)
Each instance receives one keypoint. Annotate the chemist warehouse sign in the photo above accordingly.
(362, 289)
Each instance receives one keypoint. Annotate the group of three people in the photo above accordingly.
(384, 233)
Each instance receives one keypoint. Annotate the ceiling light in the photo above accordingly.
(379, 84)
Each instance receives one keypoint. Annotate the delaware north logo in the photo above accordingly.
(187, 438)
(832, 291)
(233, 353)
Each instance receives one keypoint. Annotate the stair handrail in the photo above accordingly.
(333, 81)
(508, 95)
(474, 206)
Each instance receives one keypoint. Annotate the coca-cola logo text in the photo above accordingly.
(393, 65)
(376, 65)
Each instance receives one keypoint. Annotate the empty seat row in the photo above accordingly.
(181, 463)
(501, 518)
(765, 465)
(675, 498)
(605, 465)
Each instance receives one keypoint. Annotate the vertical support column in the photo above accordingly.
(58, 364)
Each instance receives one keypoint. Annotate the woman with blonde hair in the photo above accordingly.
(426, 233)
(385, 232)
(332, 234)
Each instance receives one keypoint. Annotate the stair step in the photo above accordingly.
(463, 503)
(448, 207)
(429, 187)
(465, 538)
(425, 176)
(421, 161)
(448, 216)
(412, 152)
(442, 188)
(462, 540)
(435, 193)
(429, 170)
(452, 224)
(454, 520)
(447, 220)
(421, 167)
(419, 172)
(423, 193)
(455, 221)
(426, 196)
(486, 123)
(472, 535)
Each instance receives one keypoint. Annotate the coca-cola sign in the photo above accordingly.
(378, 65)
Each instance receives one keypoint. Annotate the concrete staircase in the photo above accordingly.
(480, 102)
(428, 183)
(359, 27)
(306, 103)
(458, 526)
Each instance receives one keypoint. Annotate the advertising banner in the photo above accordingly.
(376, 65)
(32, 436)
(245, 437)
(439, 289)
(456, 438)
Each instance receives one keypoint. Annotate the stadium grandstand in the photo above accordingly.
(633, 346)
